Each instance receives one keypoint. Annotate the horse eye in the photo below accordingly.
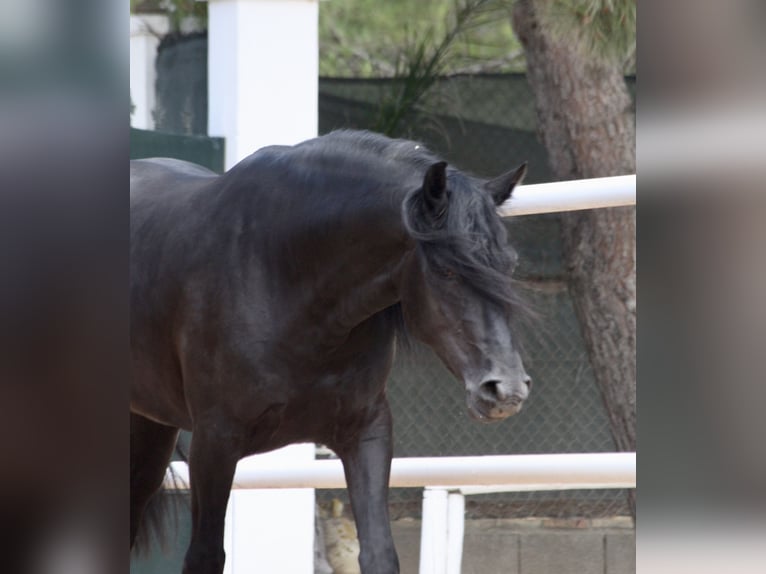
(446, 273)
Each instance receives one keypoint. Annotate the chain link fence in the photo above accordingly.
(481, 123)
(485, 125)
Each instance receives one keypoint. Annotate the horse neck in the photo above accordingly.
(355, 270)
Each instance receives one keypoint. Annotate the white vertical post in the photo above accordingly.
(263, 70)
(455, 531)
(433, 533)
(145, 33)
(271, 530)
(228, 536)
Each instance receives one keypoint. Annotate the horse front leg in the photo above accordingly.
(367, 466)
(212, 462)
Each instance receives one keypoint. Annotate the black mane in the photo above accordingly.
(369, 158)
(371, 148)
(470, 241)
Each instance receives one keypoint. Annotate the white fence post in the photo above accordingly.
(263, 70)
(455, 531)
(263, 73)
(433, 532)
(145, 33)
(271, 530)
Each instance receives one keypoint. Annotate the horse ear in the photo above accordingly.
(435, 190)
(501, 187)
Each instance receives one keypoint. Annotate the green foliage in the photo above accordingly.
(603, 30)
(423, 59)
(428, 55)
(366, 38)
(177, 10)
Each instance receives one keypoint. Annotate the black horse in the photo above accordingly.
(265, 305)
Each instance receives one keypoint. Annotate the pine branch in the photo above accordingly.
(423, 62)
(603, 30)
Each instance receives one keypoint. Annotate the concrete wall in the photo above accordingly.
(533, 546)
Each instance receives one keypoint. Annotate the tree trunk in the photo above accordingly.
(586, 121)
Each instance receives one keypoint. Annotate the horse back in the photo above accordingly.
(156, 165)
(165, 227)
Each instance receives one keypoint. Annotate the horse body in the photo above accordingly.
(265, 305)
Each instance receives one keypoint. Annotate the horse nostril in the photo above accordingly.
(504, 393)
(493, 390)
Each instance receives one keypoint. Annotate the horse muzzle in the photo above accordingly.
(497, 399)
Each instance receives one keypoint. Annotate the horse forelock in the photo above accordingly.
(470, 241)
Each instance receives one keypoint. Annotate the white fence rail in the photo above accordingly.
(516, 472)
(571, 195)
(442, 528)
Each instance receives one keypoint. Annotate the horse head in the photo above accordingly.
(457, 294)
